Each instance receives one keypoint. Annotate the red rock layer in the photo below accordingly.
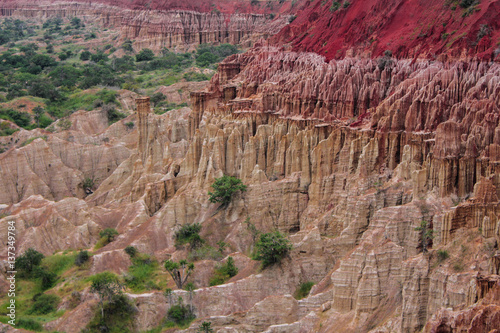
(483, 316)
(408, 28)
(459, 101)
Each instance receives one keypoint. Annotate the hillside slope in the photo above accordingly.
(409, 28)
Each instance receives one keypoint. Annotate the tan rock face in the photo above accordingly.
(55, 168)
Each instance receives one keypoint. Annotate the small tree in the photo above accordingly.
(169, 295)
(107, 286)
(190, 288)
(28, 261)
(205, 327)
(252, 229)
(144, 55)
(38, 111)
(271, 248)
(179, 313)
(76, 22)
(157, 98)
(81, 258)
(180, 271)
(109, 234)
(426, 235)
(224, 272)
(47, 279)
(85, 55)
(131, 251)
(189, 233)
(224, 188)
(222, 246)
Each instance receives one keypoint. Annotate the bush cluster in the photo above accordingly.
(271, 248)
(207, 55)
(189, 233)
(224, 189)
(224, 272)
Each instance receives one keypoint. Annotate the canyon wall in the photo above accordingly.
(353, 159)
(346, 157)
(171, 26)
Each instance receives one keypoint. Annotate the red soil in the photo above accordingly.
(408, 28)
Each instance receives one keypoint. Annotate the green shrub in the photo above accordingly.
(131, 251)
(113, 114)
(117, 316)
(442, 255)
(206, 252)
(47, 279)
(205, 327)
(129, 124)
(44, 304)
(222, 246)
(271, 248)
(99, 56)
(224, 272)
(157, 97)
(27, 262)
(88, 183)
(189, 233)
(44, 88)
(109, 234)
(207, 55)
(468, 3)
(29, 324)
(193, 76)
(179, 271)
(206, 59)
(144, 55)
(21, 119)
(8, 131)
(224, 188)
(45, 121)
(81, 258)
(304, 290)
(58, 263)
(140, 274)
(335, 6)
(426, 235)
(127, 46)
(180, 314)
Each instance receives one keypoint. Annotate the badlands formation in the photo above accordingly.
(347, 157)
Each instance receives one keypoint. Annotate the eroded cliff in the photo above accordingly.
(346, 157)
(172, 25)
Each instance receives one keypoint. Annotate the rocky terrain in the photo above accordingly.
(347, 157)
(177, 26)
(438, 30)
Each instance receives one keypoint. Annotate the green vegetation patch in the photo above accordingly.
(141, 275)
(303, 290)
(224, 272)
